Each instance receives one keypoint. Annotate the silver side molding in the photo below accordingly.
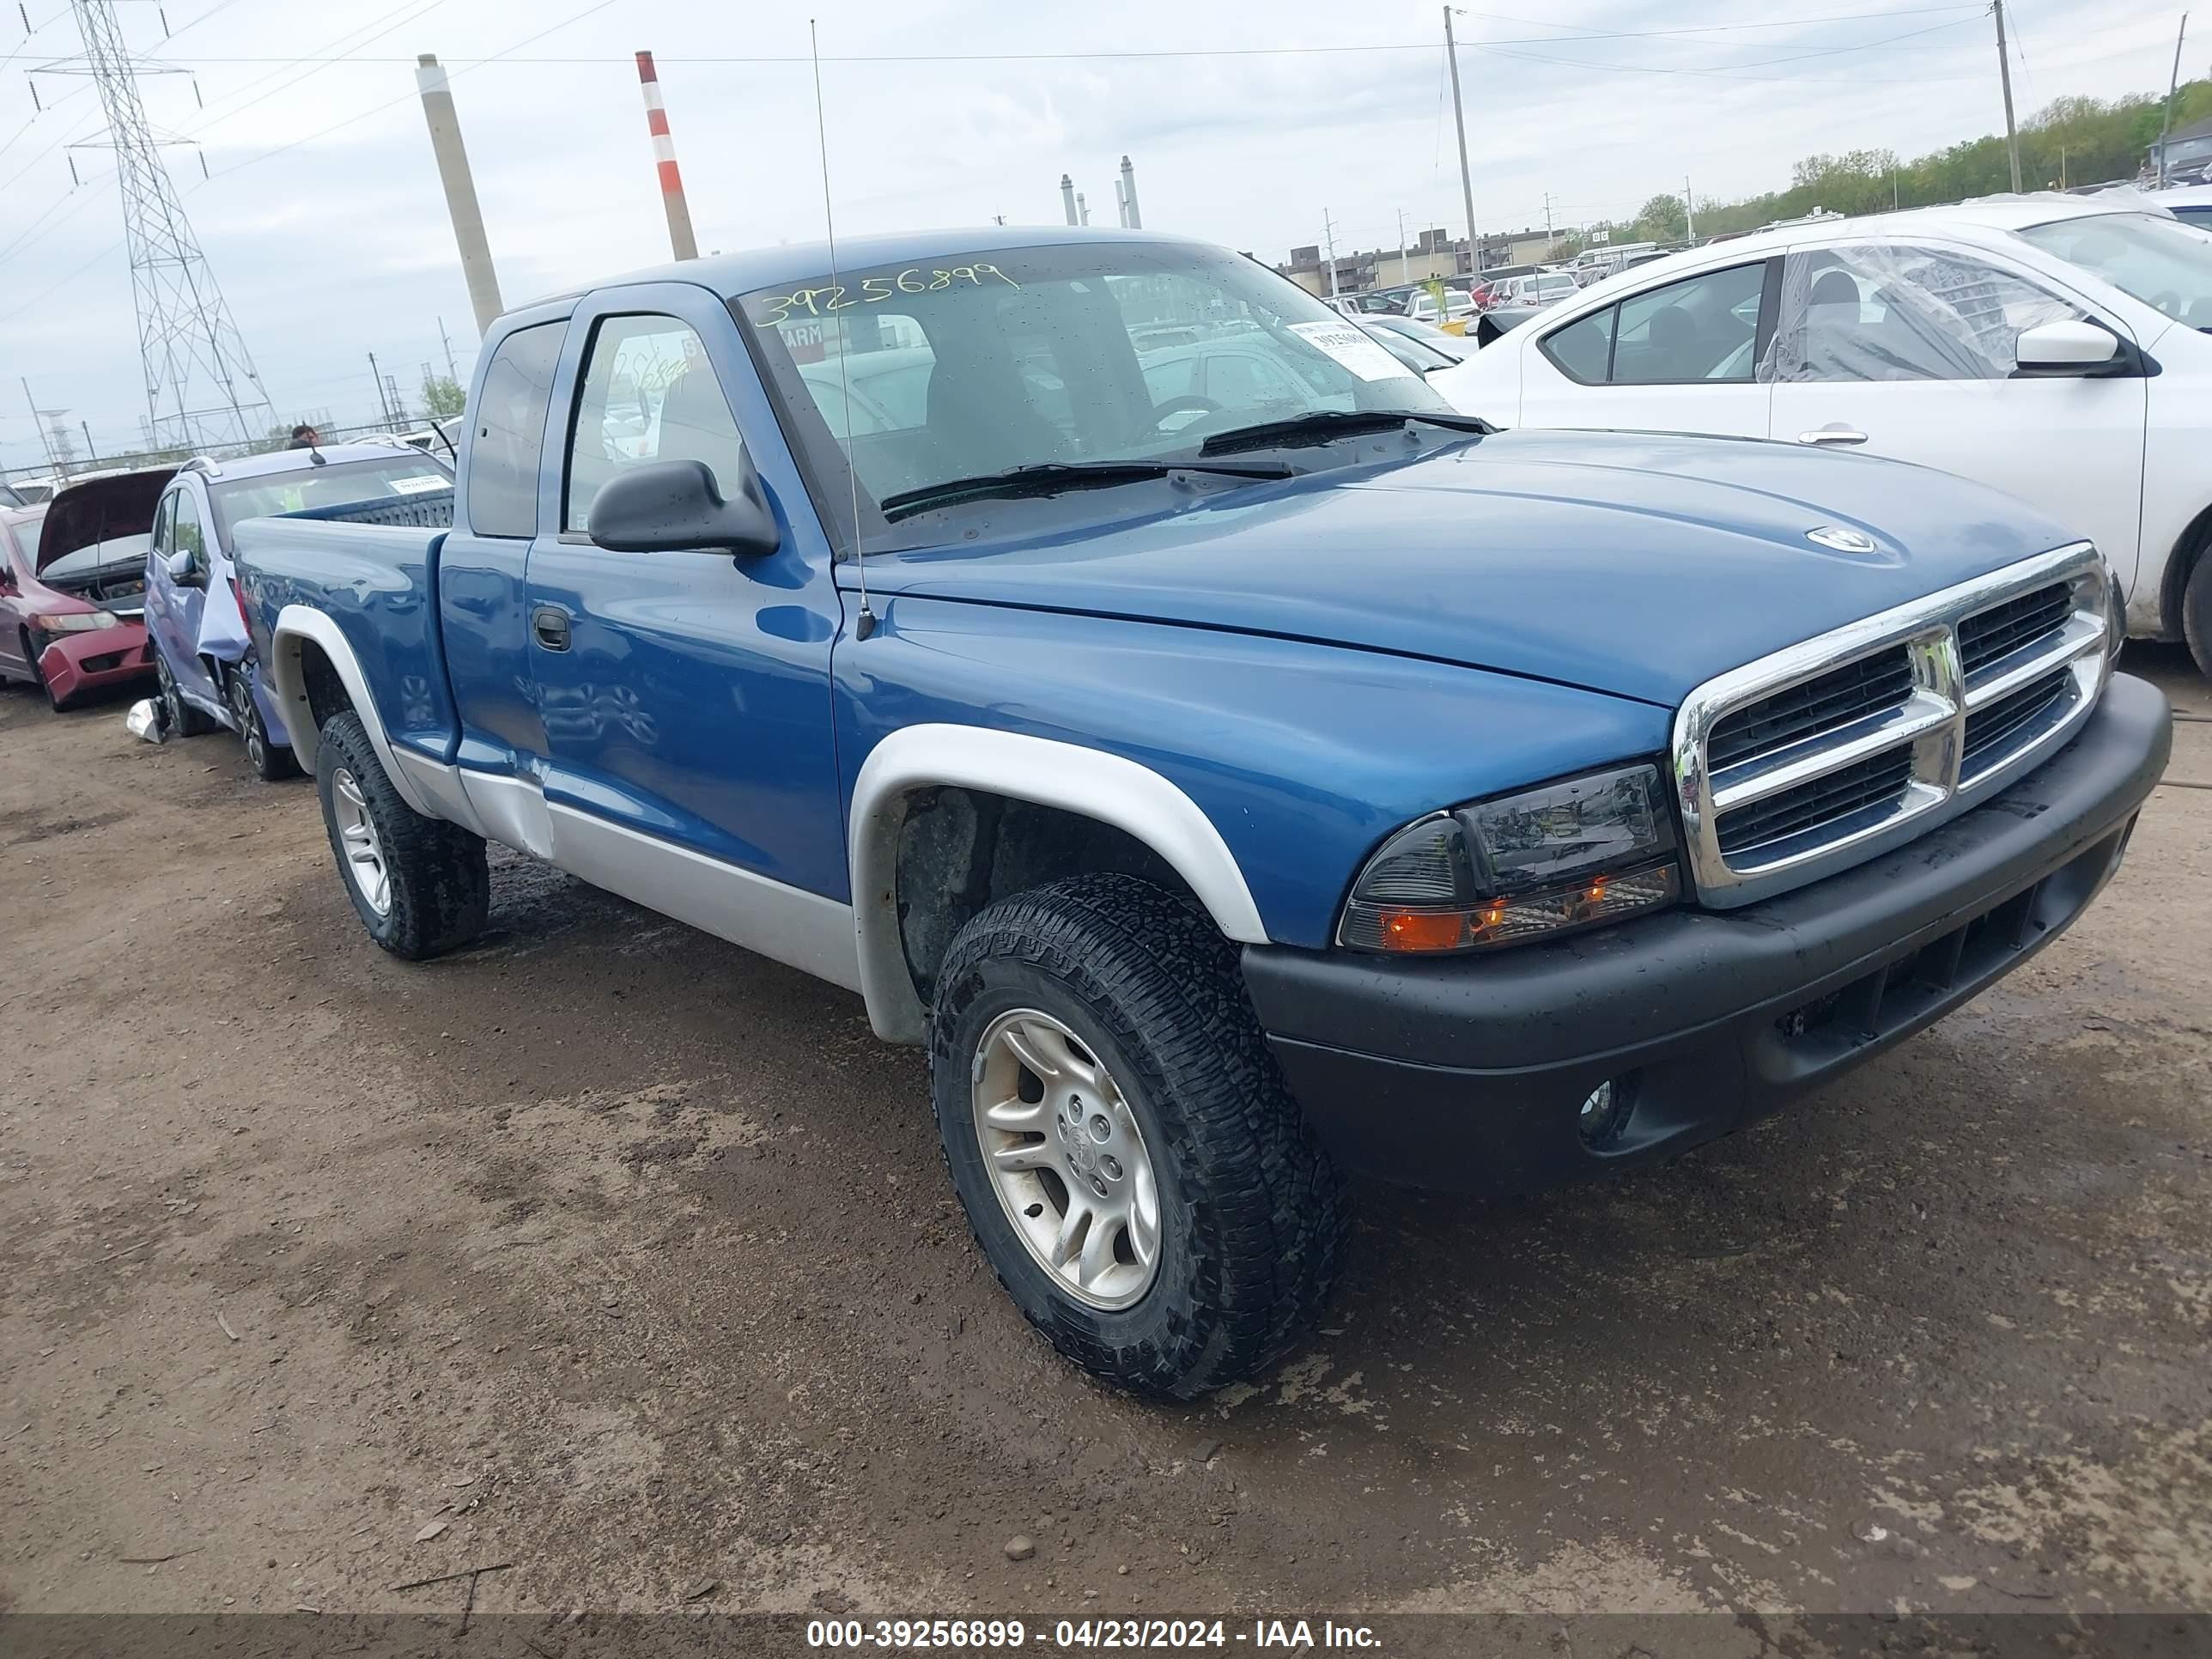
(803, 930)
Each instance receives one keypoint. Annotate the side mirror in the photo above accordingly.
(2066, 350)
(676, 507)
(183, 570)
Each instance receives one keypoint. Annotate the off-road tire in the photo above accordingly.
(441, 883)
(181, 718)
(1253, 1217)
(2197, 613)
(272, 762)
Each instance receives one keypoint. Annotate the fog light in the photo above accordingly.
(1605, 1112)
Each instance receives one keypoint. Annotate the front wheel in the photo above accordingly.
(2197, 613)
(272, 763)
(38, 676)
(182, 718)
(420, 885)
(1128, 1156)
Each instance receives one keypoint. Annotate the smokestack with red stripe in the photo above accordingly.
(664, 154)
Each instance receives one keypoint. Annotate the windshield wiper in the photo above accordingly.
(1044, 477)
(1323, 423)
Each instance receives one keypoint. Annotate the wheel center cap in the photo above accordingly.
(1081, 1154)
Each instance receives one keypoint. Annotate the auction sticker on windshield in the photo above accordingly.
(1350, 345)
(416, 483)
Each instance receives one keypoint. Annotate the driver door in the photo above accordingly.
(685, 695)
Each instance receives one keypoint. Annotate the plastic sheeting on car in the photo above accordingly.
(1901, 312)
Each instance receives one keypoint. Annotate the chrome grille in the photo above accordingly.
(1994, 728)
(1871, 784)
(2004, 629)
(1831, 751)
(1821, 704)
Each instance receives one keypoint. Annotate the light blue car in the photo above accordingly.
(203, 657)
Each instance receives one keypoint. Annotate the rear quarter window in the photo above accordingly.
(510, 431)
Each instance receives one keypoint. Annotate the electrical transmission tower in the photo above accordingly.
(202, 389)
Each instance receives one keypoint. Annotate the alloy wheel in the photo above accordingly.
(1067, 1158)
(364, 851)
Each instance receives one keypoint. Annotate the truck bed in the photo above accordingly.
(370, 568)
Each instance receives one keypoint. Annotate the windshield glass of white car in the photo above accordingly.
(2160, 261)
(1896, 312)
(1070, 354)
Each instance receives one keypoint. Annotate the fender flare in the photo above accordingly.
(1050, 773)
(294, 624)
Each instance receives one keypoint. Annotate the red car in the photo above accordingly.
(73, 586)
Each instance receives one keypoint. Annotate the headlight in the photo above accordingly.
(82, 622)
(1528, 866)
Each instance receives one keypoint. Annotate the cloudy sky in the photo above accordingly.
(321, 216)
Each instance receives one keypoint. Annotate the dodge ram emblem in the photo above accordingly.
(1836, 537)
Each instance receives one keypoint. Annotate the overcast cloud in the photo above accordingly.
(339, 246)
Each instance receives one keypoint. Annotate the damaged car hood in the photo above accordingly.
(100, 510)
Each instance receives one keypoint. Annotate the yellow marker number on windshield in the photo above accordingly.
(839, 296)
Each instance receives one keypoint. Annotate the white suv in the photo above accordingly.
(2052, 346)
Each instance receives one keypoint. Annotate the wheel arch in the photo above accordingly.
(317, 675)
(912, 768)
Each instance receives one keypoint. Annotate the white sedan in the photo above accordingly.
(2050, 346)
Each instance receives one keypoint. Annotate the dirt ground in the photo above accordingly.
(628, 1258)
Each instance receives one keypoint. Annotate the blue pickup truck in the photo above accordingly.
(1236, 768)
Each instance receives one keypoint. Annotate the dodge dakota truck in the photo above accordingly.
(1236, 769)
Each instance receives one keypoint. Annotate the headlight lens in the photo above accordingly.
(82, 622)
(1532, 865)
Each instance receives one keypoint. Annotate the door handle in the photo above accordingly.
(548, 626)
(1834, 434)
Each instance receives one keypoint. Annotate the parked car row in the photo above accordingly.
(128, 577)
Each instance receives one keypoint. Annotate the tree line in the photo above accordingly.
(2069, 141)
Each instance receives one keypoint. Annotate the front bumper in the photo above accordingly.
(1468, 1073)
(77, 663)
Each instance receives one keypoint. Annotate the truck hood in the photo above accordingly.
(1636, 564)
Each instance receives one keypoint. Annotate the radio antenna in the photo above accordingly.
(864, 624)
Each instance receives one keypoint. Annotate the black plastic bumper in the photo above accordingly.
(1469, 1073)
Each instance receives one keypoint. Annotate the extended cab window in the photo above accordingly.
(510, 421)
(649, 394)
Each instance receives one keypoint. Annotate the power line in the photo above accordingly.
(406, 97)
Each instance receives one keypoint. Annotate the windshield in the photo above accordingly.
(340, 483)
(965, 367)
(2160, 261)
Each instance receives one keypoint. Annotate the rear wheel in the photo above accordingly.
(420, 885)
(1132, 1163)
(183, 720)
(272, 762)
(2197, 613)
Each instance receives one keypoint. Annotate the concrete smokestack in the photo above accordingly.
(1135, 220)
(461, 189)
(1068, 198)
(1121, 206)
(664, 154)
(1082, 210)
